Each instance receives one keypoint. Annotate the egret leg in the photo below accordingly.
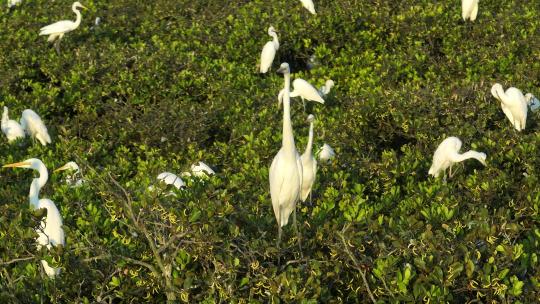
(297, 231)
(304, 103)
(279, 228)
(57, 46)
(450, 175)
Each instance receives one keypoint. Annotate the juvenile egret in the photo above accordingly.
(50, 232)
(286, 169)
(325, 89)
(326, 153)
(57, 30)
(448, 153)
(11, 128)
(269, 51)
(308, 4)
(35, 127)
(72, 179)
(200, 170)
(469, 9)
(309, 164)
(532, 101)
(513, 104)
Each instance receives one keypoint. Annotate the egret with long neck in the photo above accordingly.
(12, 129)
(286, 168)
(309, 164)
(50, 232)
(513, 104)
(447, 154)
(269, 51)
(57, 30)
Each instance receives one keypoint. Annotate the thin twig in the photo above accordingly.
(17, 260)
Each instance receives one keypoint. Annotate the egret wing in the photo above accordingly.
(57, 27)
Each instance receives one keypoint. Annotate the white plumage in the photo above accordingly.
(305, 90)
(326, 153)
(50, 232)
(34, 126)
(325, 89)
(469, 9)
(447, 154)
(286, 170)
(513, 104)
(12, 3)
(171, 179)
(202, 170)
(58, 29)
(309, 164)
(269, 51)
(73, 180)
(308, 4)
(11, 128)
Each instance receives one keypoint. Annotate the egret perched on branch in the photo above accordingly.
(269, 51)
(35, 127)
(171, 179)
(50, 232)
(325, 89)
(469, 9)
(57, 30)
(286, 169)
(11, 128)
(309, 164)
(447, 154)
(72, 179)
(513, 104)
(326, 153)
(308, 4)
(306, 91)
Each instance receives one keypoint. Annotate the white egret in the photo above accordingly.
(309, 164)
(325, 89)
(513, 104)
(532, 101)
(11, 128)
(326, 153)
(269, 51)
(286, 169)
(305, 90)
(308, 4)
(50, 232)
(73, 180)
(12, 3)
(200, 170)
(447, 154)
(57, 30)
(469, 9)
(171, 179)
(34, 126)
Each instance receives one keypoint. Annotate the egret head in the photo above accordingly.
(311, 118)
(494, 90)
(284, 68)
(271, 30)
(528, 98)
(329, 83)
(32, 163)
(69, 166)
(77, 4)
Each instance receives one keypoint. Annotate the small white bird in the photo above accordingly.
(308, 4)
(309, 164)
(50, 232)
(12, 3)
(57, 30)
(286, 169)
(306, 91)
(269, 51)
(326, 153)
(325, 89)
(533, 102)
(171, 179)
(34, 126)
(513, 104)
(469, 9)
(201, 170)
(73, 180)
(447, 154)
(11, 128)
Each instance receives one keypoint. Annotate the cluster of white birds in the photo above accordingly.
(200, 170)
(31, 124)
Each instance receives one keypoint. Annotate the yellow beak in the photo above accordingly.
(64, 167)
(16, 165)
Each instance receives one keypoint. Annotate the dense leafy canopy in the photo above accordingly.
(160, 85)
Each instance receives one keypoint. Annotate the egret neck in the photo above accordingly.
(288, 137)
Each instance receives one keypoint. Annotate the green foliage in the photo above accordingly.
(160, 85)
